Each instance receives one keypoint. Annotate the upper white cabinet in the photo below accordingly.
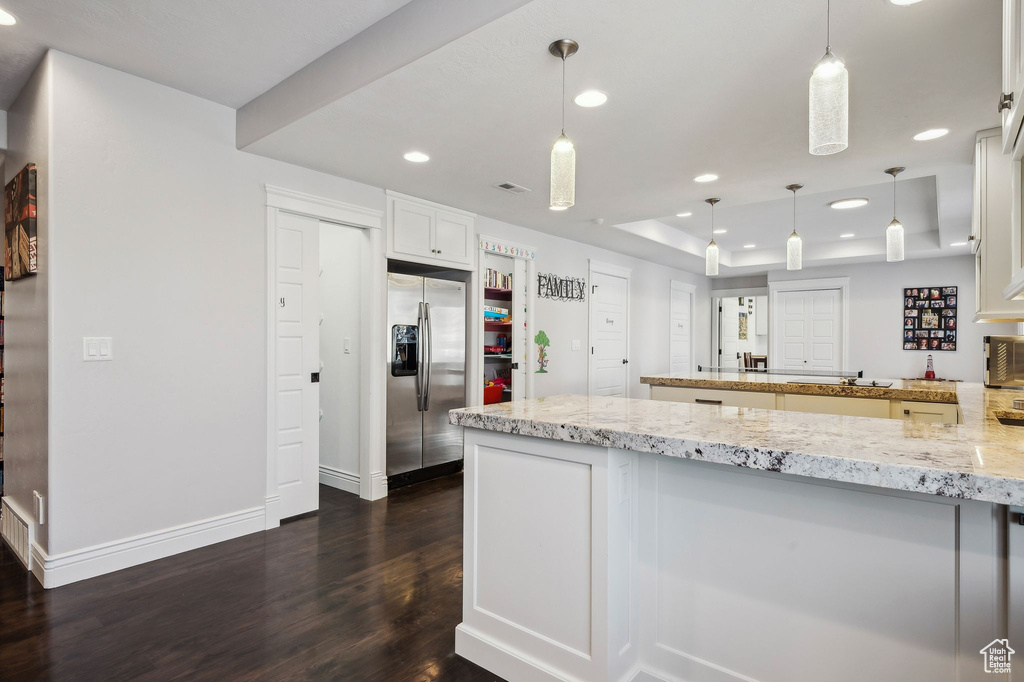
(424, 232)
(1013, 72)
(991, 230)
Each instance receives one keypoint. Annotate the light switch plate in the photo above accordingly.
(576, 344)
(97, 348)
(348, 345)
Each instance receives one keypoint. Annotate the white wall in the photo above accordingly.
(26, 340)
(876, 316)
(341, 250)
(564, 321)
(161, 229)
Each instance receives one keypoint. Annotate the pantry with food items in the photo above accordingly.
(504, 324)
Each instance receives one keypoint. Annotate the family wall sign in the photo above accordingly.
(561, 288)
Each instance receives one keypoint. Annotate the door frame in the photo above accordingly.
(372, 405)
(842, 284)
(691, 291)
(595, 266)
(716, 318)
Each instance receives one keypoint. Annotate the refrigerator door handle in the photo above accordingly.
(430, 357)
(419, 358)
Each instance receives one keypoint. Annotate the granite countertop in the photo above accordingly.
(901, 389)
(980, 459)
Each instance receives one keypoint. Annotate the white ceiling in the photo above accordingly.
(227, 51)
(694, 86)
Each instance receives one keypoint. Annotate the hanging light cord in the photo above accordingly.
(794, 211)
(894, 196)
(712, 222)
(828, 25)
(563, 95)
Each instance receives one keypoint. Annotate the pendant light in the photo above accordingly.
(794, 245)
(563, 154)
(711, 255)
(829, 99)
(894, 233)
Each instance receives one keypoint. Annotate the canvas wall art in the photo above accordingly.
(20, 225)
(929, 318)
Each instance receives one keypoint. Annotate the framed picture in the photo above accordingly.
(929, 318)
(20, 225)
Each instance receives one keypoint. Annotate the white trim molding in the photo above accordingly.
(342, 480)
(61, 569)
(373, 406)
(842, 284)
(426, 202)
(18, 530)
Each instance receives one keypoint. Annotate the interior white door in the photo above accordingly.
(729, 334)
(680, 329)
(609, 334)
(809, 327)
(297, 396)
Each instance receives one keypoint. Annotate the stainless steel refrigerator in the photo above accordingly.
(426, 374)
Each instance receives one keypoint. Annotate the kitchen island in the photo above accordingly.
(617, 539)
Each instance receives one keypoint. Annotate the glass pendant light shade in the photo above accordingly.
(794, 252)
(563, 174)
(894, 242)
(829, 106)
(711, 260)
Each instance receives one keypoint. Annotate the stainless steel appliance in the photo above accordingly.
(1004, 362)
(426, 376)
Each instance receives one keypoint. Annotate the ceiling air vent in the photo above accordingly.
(512, 188)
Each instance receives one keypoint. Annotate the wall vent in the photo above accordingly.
(512, 188)
(17, 532)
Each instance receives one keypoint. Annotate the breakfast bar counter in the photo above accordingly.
(619, 539)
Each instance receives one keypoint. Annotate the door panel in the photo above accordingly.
(446, 391)
(413, 229)
(452, 238)
(609, 335)
(298, 351)
(811, 330)
(404, 419)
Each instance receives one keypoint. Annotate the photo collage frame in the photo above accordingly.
(929, 318)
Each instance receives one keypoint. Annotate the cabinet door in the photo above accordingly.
(930, 413)
(412, 229)
(453, 238)
(1013, 69)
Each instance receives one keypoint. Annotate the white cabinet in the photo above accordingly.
(929, 413)
(1013, 72)
(425, 232)
(711, 396)
(991, 231)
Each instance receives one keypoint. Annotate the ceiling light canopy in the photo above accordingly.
(794, 245)
(591, 98)
(711, 254)
(843, 204)
(416, 157)
(933, 134)
(706, 177)
(6, 18)
(829, 99)
(684, 214)
(563, 153)
(894, 233)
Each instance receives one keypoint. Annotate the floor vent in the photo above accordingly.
(17, 532)
(512, 188)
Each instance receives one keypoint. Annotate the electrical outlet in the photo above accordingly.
(576, 345)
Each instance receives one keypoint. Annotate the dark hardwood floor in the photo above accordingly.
(361, 591)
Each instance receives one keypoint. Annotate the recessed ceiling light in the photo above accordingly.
(687, 214)
(750, 246)
(591, 98)
(933, 134)
(6, 18)
(959, 244)
(707, 177)
(848, 203)
(848, 235)
(720, 230)
(904, 3)
(416, 157)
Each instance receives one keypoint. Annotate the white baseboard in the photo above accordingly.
(272, 504)
(17, 529)
(342, 480)
(378, 486)
(62, 569)
(476, 647)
